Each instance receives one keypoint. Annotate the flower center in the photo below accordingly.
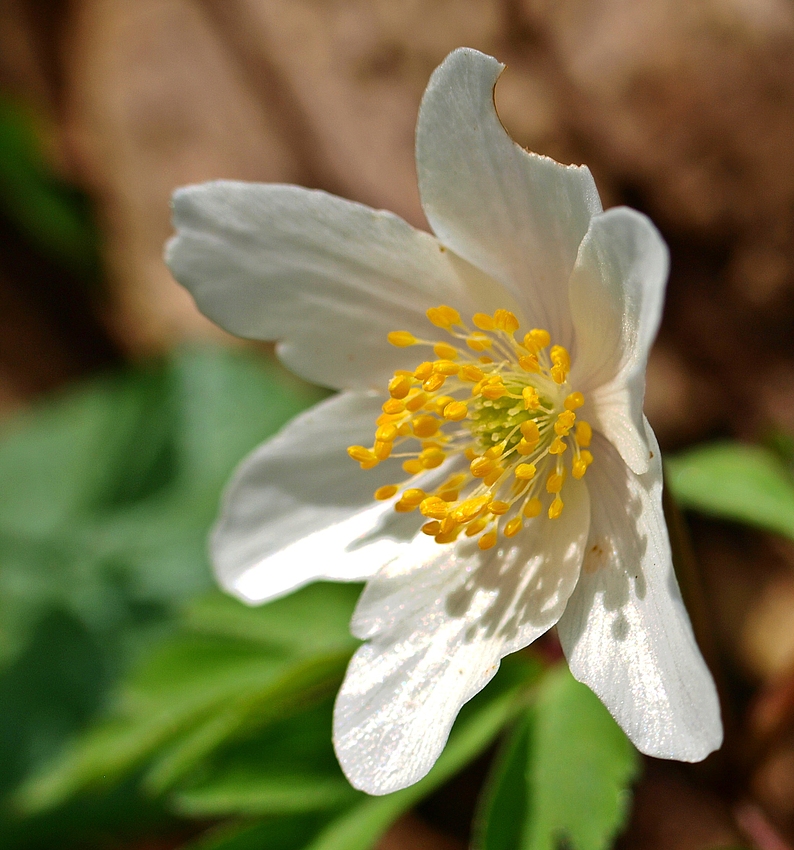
(502, 404)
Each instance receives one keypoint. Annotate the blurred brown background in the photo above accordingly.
(682, 108)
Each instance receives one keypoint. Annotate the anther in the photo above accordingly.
(531, 398)
(530, 431)
(478, 342)
(385, 492)
(386, 433)
(413, 466)
(425, 426)
(483, 321)
(382, 449)
(445, 351)
(574, 401)
(416, 402)
(529, 363)
(498, 507)
(555, 509)
(455, 411)
(506, 321)
(361, 454)
(488, 540)
(525, 471)
(584, 433)
(399, 386)
(554, 482)
(580, 464)
(536, 340)
(443, 316)
(393, 406)
(434, 383)
(433, 507)
(431, 458)
(476, 526)
(413, 496)
(401, 339)
(431, 528)
(470, 372)
(493, 476)
(532, 508)
(513, 526)
(423, 371)
(479, 467)
(558, 446)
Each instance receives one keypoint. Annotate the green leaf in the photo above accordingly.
(109, 491)
(196, 691)
(316, 618)
(289, 766)
(501, 817)
(54, 216)
(748, 484)
(564, 778)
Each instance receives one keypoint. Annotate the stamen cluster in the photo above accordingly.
(501, 403)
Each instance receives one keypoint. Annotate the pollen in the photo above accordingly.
(490, 414)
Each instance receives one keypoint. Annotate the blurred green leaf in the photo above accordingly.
(55, 217)
(110, 490)
(197, 691)
(288, 767)
(500, 820)
(564, 777)
(748, 484)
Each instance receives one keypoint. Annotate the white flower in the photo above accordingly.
(513, 540)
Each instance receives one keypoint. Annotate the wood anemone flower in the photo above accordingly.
(486, 465)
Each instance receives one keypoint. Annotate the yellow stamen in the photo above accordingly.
(455, 411)
(425, 426)
(401, 339)
(554, 482)
(488, 540)
(443, 316)
(558, 446)
(393, 406)
(446, 351)
(382, 449)
(532, 508)
(499, 508)
(513, 526)
(413, 466)
(446, 367)
(574, 401)
(434, 507)
(431, 528)
(387, 433)
(525, 471)
(480, 466)
(470, 372)
(385, 492)
(505, 321)
(431, 458)
(483, 321)
(584, 433)
(434, 383)
(399, 386)
(555, 508)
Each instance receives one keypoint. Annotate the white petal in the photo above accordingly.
(625, 631)
(516, 215)
(327, 277)
(617, 295)
(299, 509)
(437, 632)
